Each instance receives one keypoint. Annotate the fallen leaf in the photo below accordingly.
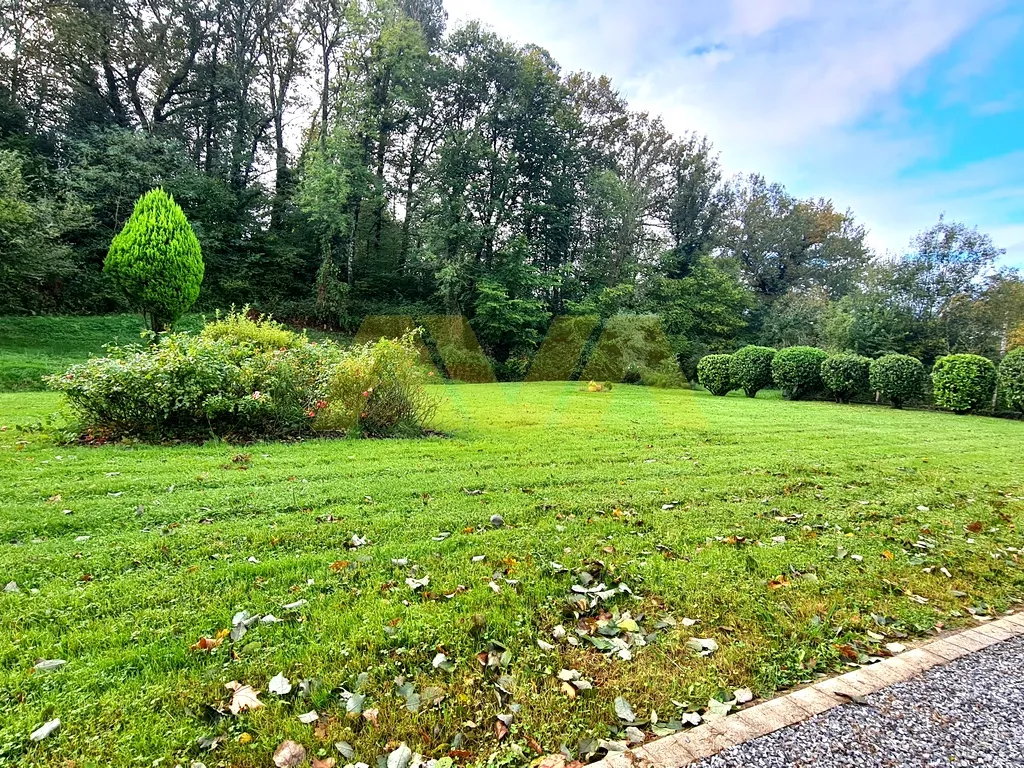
(289, 754)
(279, 685)
(743, 695)
(975, 527)
(705, 646)
(895, 648)
(624, 710)
(48, 665)
(888, 555)
(206, 644)
(243, 698)
(327, 762)
(401, 757)
(309, 717)
(46, 729)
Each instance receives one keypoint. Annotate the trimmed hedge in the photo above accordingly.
(963, 383)
(846, 375)
(713, 374)
(1011, 379)
(751, 369)
(797, 371)
(156, 261)
(900, 378)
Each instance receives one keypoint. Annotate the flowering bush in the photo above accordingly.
(190, 387)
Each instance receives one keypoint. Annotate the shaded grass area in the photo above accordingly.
(34, 347)
(799, 536)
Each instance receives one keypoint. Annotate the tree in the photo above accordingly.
(156, 260)
(32, 255)
(783, 244)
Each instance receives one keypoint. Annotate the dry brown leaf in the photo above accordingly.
(289, 754)
(327, 762)
(975, 527)
(206, 644)
(243, 697)
(888, 555)
(371, 715)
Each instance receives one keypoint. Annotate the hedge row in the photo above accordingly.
(960, 383)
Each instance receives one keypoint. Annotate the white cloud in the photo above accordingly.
(781, 86)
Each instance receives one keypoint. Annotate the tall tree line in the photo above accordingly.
(340, 158)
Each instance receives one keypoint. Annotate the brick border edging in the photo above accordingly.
(710, 738)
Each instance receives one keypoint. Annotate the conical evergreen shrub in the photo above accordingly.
(156, 261)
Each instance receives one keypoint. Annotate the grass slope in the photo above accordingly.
(34, 347)
(578, 478)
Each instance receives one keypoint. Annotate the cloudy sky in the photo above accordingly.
(898, 109)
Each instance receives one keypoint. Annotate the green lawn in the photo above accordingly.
(33, 347)
(798, 535)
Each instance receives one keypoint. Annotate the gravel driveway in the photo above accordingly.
(967, 713)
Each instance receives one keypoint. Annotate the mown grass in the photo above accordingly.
(34, 347)
(578, 477)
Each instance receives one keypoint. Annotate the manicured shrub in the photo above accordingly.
(963, 383)
(713, 374)
(797, 371)
(1011, 379)
(846, 375)
(156, 261)
(190, 387)
(751, 369)
(900, 378)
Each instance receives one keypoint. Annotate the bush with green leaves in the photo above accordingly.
(1011, 379)
(963, 383)
(797, 371)
(899, 378)
(751, 369)
(190, 387)
(243, 328)
(156, 261)
(378, 390)
(713, 374)
(846, 375)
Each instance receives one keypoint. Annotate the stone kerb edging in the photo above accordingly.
(710, 738)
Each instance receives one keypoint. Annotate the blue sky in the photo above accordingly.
(899, 109)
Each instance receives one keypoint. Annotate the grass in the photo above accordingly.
(34, 347)
(799, 535)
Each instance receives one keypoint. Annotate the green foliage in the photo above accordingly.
(900, 378)
(846, 375)
(964, 383)
(797, 371)
(509, 318)
(32, 255)
(1011, 379)
(261, 332)
(235, 385)
(751, 369)
(156, 260)
(378, 390)
(713, 374)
